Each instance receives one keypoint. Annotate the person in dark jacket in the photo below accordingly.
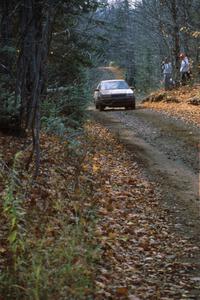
(184, 69)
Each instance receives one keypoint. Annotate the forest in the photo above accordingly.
(50, 54)
(51, 44)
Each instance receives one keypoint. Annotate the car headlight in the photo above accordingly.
(104, 95)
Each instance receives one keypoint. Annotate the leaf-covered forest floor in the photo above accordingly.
(90, 227)
(183, 103)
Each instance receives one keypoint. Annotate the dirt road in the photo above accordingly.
(167, 150)
(165, 144)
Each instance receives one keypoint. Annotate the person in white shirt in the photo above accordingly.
(167, 72)
(184, 69)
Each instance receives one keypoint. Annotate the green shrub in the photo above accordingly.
(66, 109)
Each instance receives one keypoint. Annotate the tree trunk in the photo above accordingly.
(5, 23)
(176, 38)
(36, 29)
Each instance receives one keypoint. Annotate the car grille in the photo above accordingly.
(119, 96)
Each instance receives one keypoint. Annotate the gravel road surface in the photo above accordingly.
(168, 151)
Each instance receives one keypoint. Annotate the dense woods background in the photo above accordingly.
(50, 44)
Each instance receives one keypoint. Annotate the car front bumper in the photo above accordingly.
(116, 101)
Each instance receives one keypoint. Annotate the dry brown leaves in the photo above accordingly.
(141, 257)
(177, 103)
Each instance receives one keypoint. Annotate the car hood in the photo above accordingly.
(116, 92)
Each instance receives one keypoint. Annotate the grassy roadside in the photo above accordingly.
(47, 247)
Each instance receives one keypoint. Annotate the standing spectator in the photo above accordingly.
(184, 69)
(167, 72)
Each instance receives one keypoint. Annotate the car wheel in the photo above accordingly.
(101, 107)
(96, 106)
(132, 106)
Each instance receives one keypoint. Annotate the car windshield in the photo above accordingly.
(114, 85)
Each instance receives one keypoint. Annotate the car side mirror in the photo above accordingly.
(96, 90)
(132, 88)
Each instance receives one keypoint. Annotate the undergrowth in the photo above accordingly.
(65, 110)
(47, 249)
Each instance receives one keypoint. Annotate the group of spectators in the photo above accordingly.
(167, 71)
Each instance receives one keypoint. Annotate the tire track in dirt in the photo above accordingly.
(178, 182)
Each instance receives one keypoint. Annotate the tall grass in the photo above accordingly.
(49, 251)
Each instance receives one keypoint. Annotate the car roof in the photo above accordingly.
(112, 80)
